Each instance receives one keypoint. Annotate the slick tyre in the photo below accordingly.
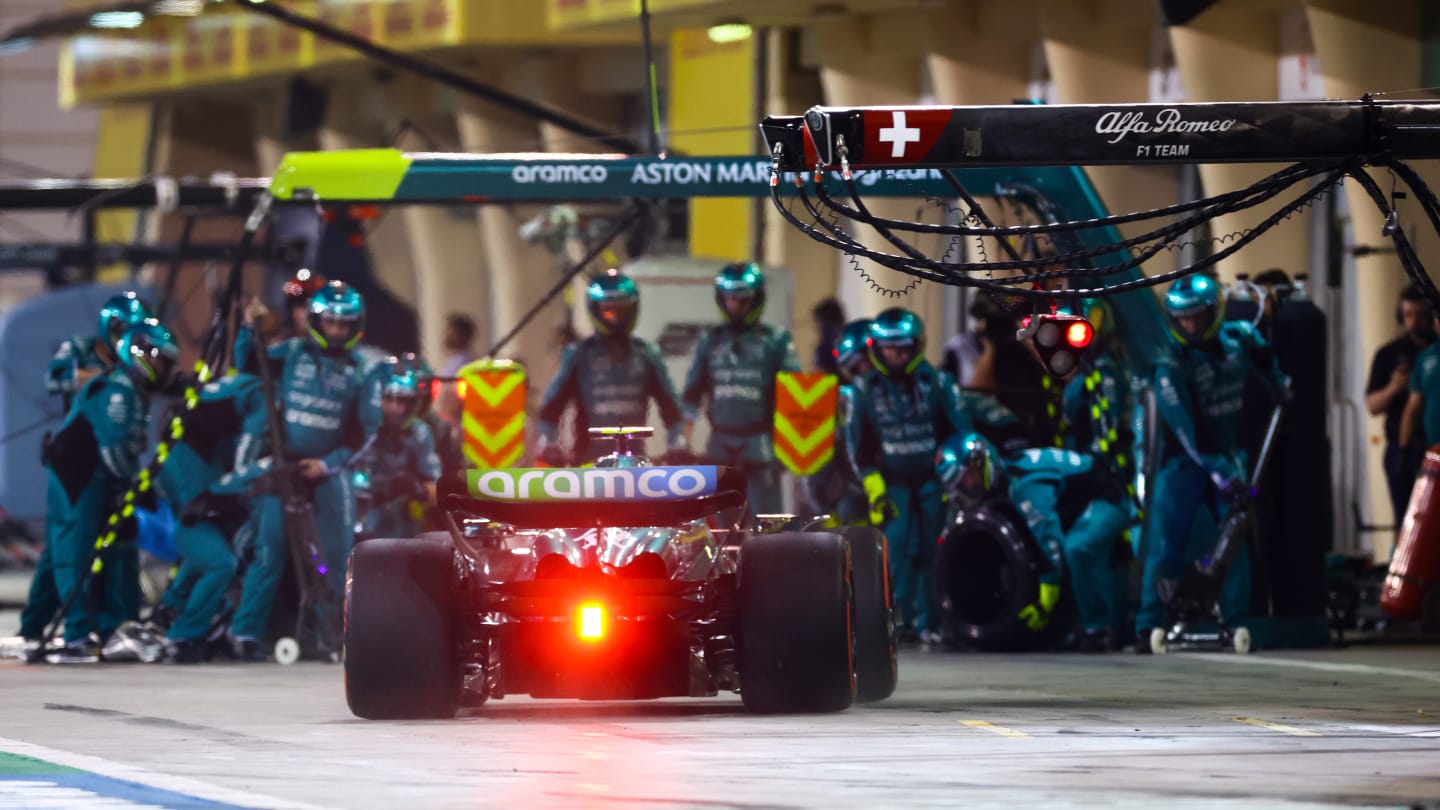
(987, 570)
(875, 668)
(796, 636)
(401, 656)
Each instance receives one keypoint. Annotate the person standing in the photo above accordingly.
(733, 376)
(1389, 389)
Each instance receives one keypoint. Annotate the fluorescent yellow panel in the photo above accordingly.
(712, 98)
(122, 141)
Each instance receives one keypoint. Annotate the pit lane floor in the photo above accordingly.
(1286, 729)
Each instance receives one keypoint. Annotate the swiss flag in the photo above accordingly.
(902, 135)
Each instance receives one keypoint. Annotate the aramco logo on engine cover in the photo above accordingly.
(624, 484)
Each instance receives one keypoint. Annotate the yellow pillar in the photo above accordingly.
(1097, 58)
(347, 126)
(712, 103)
(812, 265)
(1362, 48)
(1230, 53)
(863, 63)
(122, 148)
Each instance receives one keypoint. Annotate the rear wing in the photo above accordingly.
(566, 498)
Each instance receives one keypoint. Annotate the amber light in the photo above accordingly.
(591, 622)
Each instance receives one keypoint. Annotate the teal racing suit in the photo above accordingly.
(1072, 506)
(329, 410)
(894, 430)
(834, 488)
(611, 380)
(1097, 411)
(397, 468)
(89, 462)
(74, 355)
(733, 375)
(1200, 392)
(209, 499)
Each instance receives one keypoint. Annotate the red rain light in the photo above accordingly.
(590, 622)
(1079, 334)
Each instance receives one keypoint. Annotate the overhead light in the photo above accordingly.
(179, 8)
(728, 32)
(117, 19)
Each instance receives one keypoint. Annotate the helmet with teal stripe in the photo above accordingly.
(424, 379)
(149, 354)
(740, 293)
(337, 317)
(121, 312)
(399, 391)
(970, 469)
(1195, 306)
(852, 350)
(613, 302)
(897, 342)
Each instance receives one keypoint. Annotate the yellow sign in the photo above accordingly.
(494, 413)
(806, 404)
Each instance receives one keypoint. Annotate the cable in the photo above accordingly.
(31, 428)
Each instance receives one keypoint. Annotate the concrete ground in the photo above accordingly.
(1357, 727)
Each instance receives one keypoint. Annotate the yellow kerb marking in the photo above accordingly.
(1284, 729)
(1001, 730)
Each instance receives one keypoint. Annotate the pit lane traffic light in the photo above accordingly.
(1061, 341)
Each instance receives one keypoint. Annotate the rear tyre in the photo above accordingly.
(401, 658)
(875, 667)
(795, 638)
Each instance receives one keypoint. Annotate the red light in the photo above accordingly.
(1079, 334)
(590, 621)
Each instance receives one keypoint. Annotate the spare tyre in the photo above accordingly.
(987, 571)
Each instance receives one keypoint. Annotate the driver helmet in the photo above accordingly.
(971, 469)
(899, 335)
(149, 354)
(424, 380)
(1196, 308)
(743, 283)
(399, 383)
(852, 350)
(337, 302)
(120, 312)
(613, 302)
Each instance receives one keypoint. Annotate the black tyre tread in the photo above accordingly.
(875, 661)
(796, 636)
(1006, 533)
(400, 630)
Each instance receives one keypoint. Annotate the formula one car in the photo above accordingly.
(618, 581)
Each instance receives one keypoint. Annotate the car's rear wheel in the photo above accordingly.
(401, 657)
(875, 669)
(795, 636)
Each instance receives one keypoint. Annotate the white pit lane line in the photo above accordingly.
(141, 776)
(1327, 666)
